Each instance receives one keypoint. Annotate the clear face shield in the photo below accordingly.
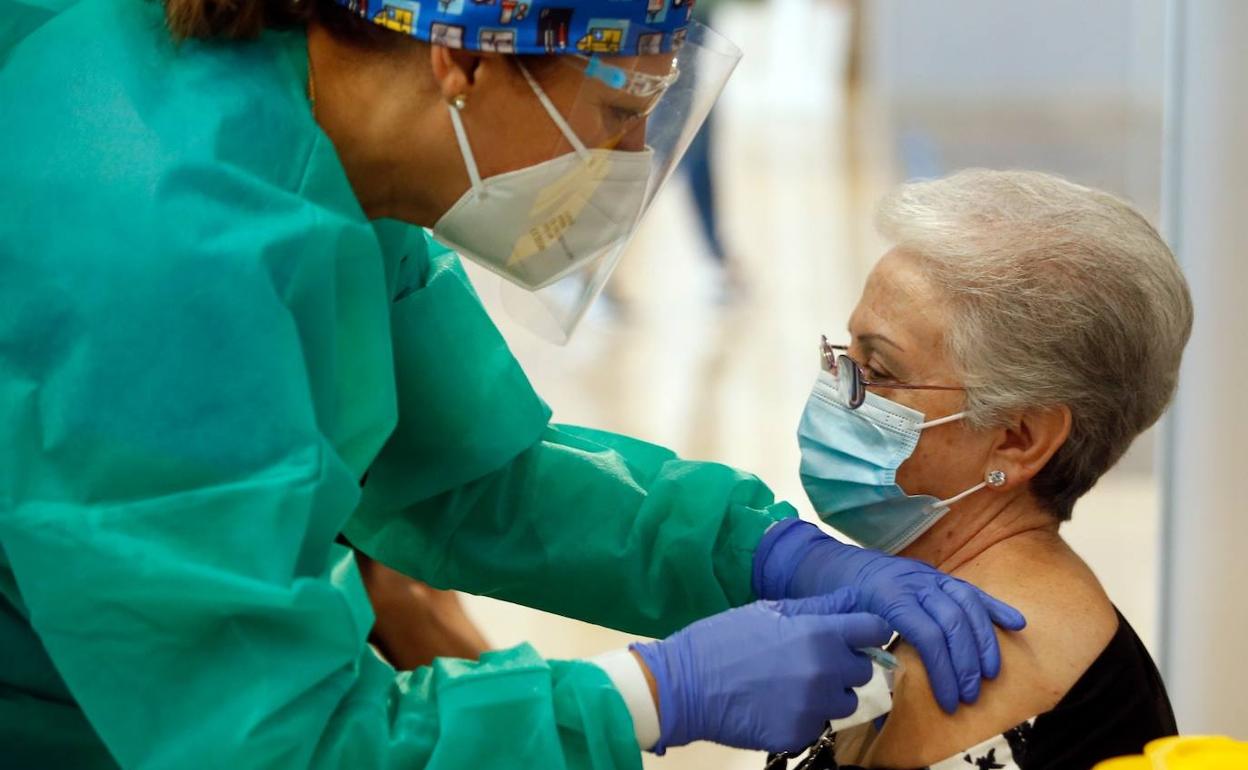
(551, 234)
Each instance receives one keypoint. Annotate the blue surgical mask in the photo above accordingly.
(849, 467)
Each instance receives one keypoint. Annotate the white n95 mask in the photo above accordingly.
(537, 224)
(540, 243)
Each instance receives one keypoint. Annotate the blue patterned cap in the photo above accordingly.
(603, 27)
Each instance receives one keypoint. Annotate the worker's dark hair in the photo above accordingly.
(246, 19)
(231, 19)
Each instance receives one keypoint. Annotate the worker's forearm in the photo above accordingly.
(416, 623)
(651, 684)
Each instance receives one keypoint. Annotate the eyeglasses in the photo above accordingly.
(851, 382)
(644, 85)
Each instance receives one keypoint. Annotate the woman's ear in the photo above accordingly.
(1026, 444)
(454, 70)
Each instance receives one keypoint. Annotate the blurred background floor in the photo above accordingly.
(831, 106)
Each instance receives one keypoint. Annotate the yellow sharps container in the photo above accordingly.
(1191, 752)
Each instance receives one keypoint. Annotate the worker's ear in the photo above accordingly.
(455, 70)
(1025, 444)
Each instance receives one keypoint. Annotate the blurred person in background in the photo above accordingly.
(701, 173)
(1020, 334)
(227, 339)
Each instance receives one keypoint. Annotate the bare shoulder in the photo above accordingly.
(1070, 620)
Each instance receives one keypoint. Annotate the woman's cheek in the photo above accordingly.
(939, 465)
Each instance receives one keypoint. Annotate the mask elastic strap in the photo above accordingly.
(964, 495)
(553, 112)
(972, 490)
(465, 149)
(942, 421)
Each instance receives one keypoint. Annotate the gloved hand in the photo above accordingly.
(764, 676)
(949, 621)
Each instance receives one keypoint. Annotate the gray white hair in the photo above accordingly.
(1057, 294)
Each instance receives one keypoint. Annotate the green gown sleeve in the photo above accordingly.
(170, 508)
(195, 371)
(475, 491)
(589, 525)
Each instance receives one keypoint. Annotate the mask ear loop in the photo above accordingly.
(989, 481)
(942, 421)
(553, 112)
(959, 498)
(992, 479)
(465, 150)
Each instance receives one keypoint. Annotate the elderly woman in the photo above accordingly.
(1005, 353)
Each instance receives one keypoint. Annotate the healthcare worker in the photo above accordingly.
(223, 345)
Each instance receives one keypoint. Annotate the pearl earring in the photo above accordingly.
(995, 478)
(459, 101)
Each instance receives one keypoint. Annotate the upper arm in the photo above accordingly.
(918, 732)
(465, 406)
(1067, 628)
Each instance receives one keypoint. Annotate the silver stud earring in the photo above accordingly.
(995, 478)
(459, 101)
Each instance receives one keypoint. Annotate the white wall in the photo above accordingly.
(1205, 535)
(985, 50)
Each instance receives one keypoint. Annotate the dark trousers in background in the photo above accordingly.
(699, 170)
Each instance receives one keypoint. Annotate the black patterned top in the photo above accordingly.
(1117, 706)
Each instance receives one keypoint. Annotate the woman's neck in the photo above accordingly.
(386, 127)
(964, 536)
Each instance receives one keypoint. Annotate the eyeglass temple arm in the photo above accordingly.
(897, 385)
(902, 386)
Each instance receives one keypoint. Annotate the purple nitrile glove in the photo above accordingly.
(949, 621)
(765, 676)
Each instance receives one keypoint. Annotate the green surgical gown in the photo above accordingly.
(211, 365)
